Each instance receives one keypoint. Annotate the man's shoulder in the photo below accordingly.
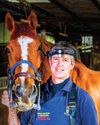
(82, 91)
(83, 94)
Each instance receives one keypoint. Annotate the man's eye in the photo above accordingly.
(55, 59)
(66, 60)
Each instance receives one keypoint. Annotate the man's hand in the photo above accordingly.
(5, 98)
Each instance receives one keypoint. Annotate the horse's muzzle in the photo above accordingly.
(25, 99)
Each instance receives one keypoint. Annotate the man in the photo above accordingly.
(62, 102)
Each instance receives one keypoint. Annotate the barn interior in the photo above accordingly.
(77, 21)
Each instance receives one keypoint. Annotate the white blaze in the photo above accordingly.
(24, 41)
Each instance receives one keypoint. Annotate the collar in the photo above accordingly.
(67, 87)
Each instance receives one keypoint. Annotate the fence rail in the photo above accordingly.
(3, 83)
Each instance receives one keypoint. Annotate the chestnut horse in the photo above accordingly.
(25, 44)
(24, 60)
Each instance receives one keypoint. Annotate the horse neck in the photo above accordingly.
(79, 71)
(80, 66)
(44, 68)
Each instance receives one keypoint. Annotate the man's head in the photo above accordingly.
(62, 60)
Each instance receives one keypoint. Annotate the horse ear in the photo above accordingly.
(9, 22)
(32, 20)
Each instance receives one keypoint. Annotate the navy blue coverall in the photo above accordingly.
(54, 101)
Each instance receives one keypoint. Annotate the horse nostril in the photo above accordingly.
(19, 91)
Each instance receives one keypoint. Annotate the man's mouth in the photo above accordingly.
(59, 70)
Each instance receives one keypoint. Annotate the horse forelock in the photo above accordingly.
(23, 29)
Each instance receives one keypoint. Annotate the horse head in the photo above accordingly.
(24, 61)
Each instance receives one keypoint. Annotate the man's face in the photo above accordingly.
(61, 65)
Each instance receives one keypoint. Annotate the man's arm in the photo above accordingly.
(12, 112)
(88, 111)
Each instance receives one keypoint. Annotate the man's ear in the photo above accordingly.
(49, 61)
(72, 64)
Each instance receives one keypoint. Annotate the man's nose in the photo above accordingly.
(60, 62)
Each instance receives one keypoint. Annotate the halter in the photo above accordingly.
(12, 69)
(11, 83)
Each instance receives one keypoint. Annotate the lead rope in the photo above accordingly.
(38, 104)
(29, 123)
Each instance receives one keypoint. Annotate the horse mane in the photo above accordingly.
(20, 30)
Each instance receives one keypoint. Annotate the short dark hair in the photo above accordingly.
(64, 47)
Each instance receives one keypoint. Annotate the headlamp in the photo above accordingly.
(61, 50)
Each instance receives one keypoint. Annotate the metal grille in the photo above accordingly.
(3, 83)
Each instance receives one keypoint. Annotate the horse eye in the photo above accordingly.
(7, 50)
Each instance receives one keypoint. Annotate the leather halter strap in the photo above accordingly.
(12, 70)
